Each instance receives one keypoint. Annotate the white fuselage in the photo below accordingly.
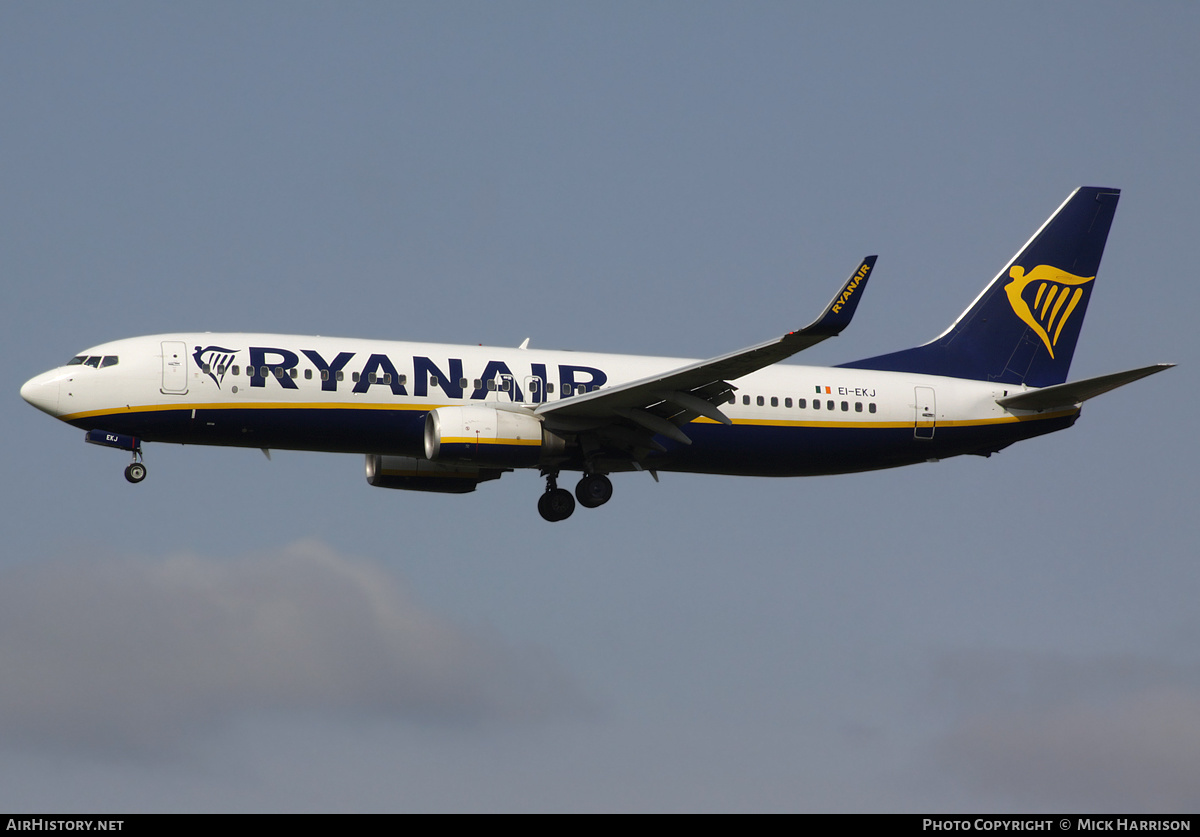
(371, 397)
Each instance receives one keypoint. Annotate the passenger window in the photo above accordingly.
(829, 405)
(759, 401)
(237, 370)
(787, 402)
(263, 371)
(109, 360)
(774, 401)
(387, 377)
(504, 385)
(341, 376)
(871, 408)
(308, 374)
(206, 369)
(371, 377)
(293, 372)
(566, 390)
(746, 399)
(801, 403)
(845, 407)
(278, 371)
(491, 385)
(433, 380)
(549, 387)
(858, 406)
(354, 377)
(324, 374)
(462, 383)
(94, 362)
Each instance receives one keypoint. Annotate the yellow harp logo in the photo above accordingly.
(1055, 295)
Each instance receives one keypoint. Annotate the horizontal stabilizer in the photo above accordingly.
(1076, 392)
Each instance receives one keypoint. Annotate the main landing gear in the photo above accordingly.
(593, 490)
(557, 504)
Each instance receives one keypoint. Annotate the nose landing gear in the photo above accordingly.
(135, 472)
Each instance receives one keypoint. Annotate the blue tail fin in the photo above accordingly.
(1023, 328)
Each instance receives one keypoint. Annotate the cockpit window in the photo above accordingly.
(94, 361)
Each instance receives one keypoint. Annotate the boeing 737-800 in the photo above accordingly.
(433, 417)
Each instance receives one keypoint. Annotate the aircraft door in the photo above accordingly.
(506, 388)
(926, 417)
(174, 367)
(535, 390)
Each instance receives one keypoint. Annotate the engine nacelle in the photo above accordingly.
(481, 435)
(413, 474)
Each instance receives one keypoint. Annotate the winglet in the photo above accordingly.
(840, 311)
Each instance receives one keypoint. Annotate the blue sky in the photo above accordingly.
(1010, 634)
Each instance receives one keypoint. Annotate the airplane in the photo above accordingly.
(445, 418)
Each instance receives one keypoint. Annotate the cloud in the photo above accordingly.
(1111, 734)
(136, 654)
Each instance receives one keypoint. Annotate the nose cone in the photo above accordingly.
(42, 392)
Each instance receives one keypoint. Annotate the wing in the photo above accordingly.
(628, 415)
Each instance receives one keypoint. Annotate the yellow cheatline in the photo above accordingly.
(284, 405)
(876, 425)
(471, 440)
(859, 425)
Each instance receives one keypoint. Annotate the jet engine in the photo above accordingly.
(487, 437)
(414, 474)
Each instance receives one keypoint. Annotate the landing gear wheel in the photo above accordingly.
(594, 490)
(136, 472)
(556, 504)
